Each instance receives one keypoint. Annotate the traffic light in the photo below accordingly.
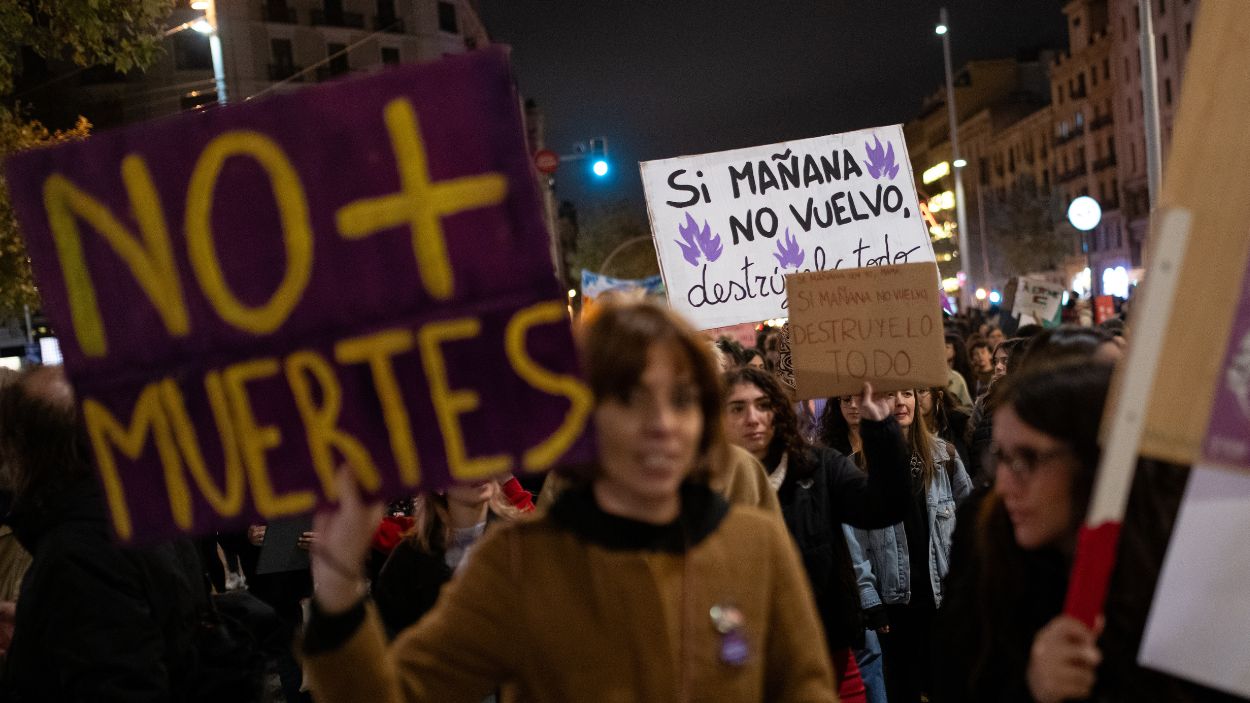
(599, 157)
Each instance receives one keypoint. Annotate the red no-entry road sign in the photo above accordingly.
(546, 160)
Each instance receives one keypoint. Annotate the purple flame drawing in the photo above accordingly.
(881, 160)
(709, 243)
(690, 233)
(788, 252)
(696, 240)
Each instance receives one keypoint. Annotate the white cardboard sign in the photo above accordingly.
(730, 225)
(1199, 624)
(1038, 299)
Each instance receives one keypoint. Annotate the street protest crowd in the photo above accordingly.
(612, 504)
(899, 546)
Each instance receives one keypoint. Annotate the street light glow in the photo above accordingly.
(572, 293)
(199, 5)
(980, 295)
(202, 26)
(600, 168)
(960, 163)
(1084, 213)
(940, 29)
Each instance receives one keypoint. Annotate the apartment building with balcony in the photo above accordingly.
(267, 45)
(993, 98)
(1173, 30)
(1085, 154)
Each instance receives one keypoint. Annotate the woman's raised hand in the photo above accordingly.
(344, 534)
(1064, 660)
(873, 407)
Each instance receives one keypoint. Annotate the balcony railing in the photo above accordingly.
(1072, 174)
(325, 73)
(1104, 163)
(352, 20)
(283, 71)
(1072, 134)
(283, 14)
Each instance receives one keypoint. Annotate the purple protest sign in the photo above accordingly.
(1228, 432)
(358, 273)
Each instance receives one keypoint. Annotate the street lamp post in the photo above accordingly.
(957, 161)
(1084, 213)
(209, 7)
(1150, 102)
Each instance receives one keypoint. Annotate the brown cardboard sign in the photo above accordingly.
(881, 324)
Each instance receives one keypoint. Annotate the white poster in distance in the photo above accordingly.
(728, 226)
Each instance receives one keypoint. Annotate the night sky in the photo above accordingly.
(664, 78)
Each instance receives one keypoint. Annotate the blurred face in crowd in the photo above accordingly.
(472, 495)
(649, 441)
(1033, 475)
(950, 354)
(904, 408)
(849, 404)
(749, 419)
(772, 346)
(1111, 352)
(995, 338)
(1000, 363)
(980, 359)
(757, 361)
(925, 398)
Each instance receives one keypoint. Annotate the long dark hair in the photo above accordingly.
(786, 435)
(1065, 400)
(960, 362)
(920, 440)
(833, 430)
(1063, 342)
(943, 406)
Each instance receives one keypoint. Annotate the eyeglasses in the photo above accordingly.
(1025, 462)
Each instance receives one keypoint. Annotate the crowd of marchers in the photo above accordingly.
(731, 543)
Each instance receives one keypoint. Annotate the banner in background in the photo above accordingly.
(1040, 300)
(730, 226)
(1104, 309)
(596, 284)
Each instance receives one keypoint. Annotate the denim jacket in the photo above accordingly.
(885, 566)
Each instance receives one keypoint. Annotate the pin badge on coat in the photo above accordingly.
(728, 621)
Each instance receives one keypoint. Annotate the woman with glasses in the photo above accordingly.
(1005, 639)
(910, 559)
(820, 489)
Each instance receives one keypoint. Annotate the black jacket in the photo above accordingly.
(982, 656)
(408, 585)
(824, 489)
(96, 622)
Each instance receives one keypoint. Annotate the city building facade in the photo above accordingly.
(269, 45)
(1081, 133)
(1173, 30)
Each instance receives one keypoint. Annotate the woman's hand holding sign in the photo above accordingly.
(872, 407)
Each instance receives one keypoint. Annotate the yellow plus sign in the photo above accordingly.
(419, 203)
